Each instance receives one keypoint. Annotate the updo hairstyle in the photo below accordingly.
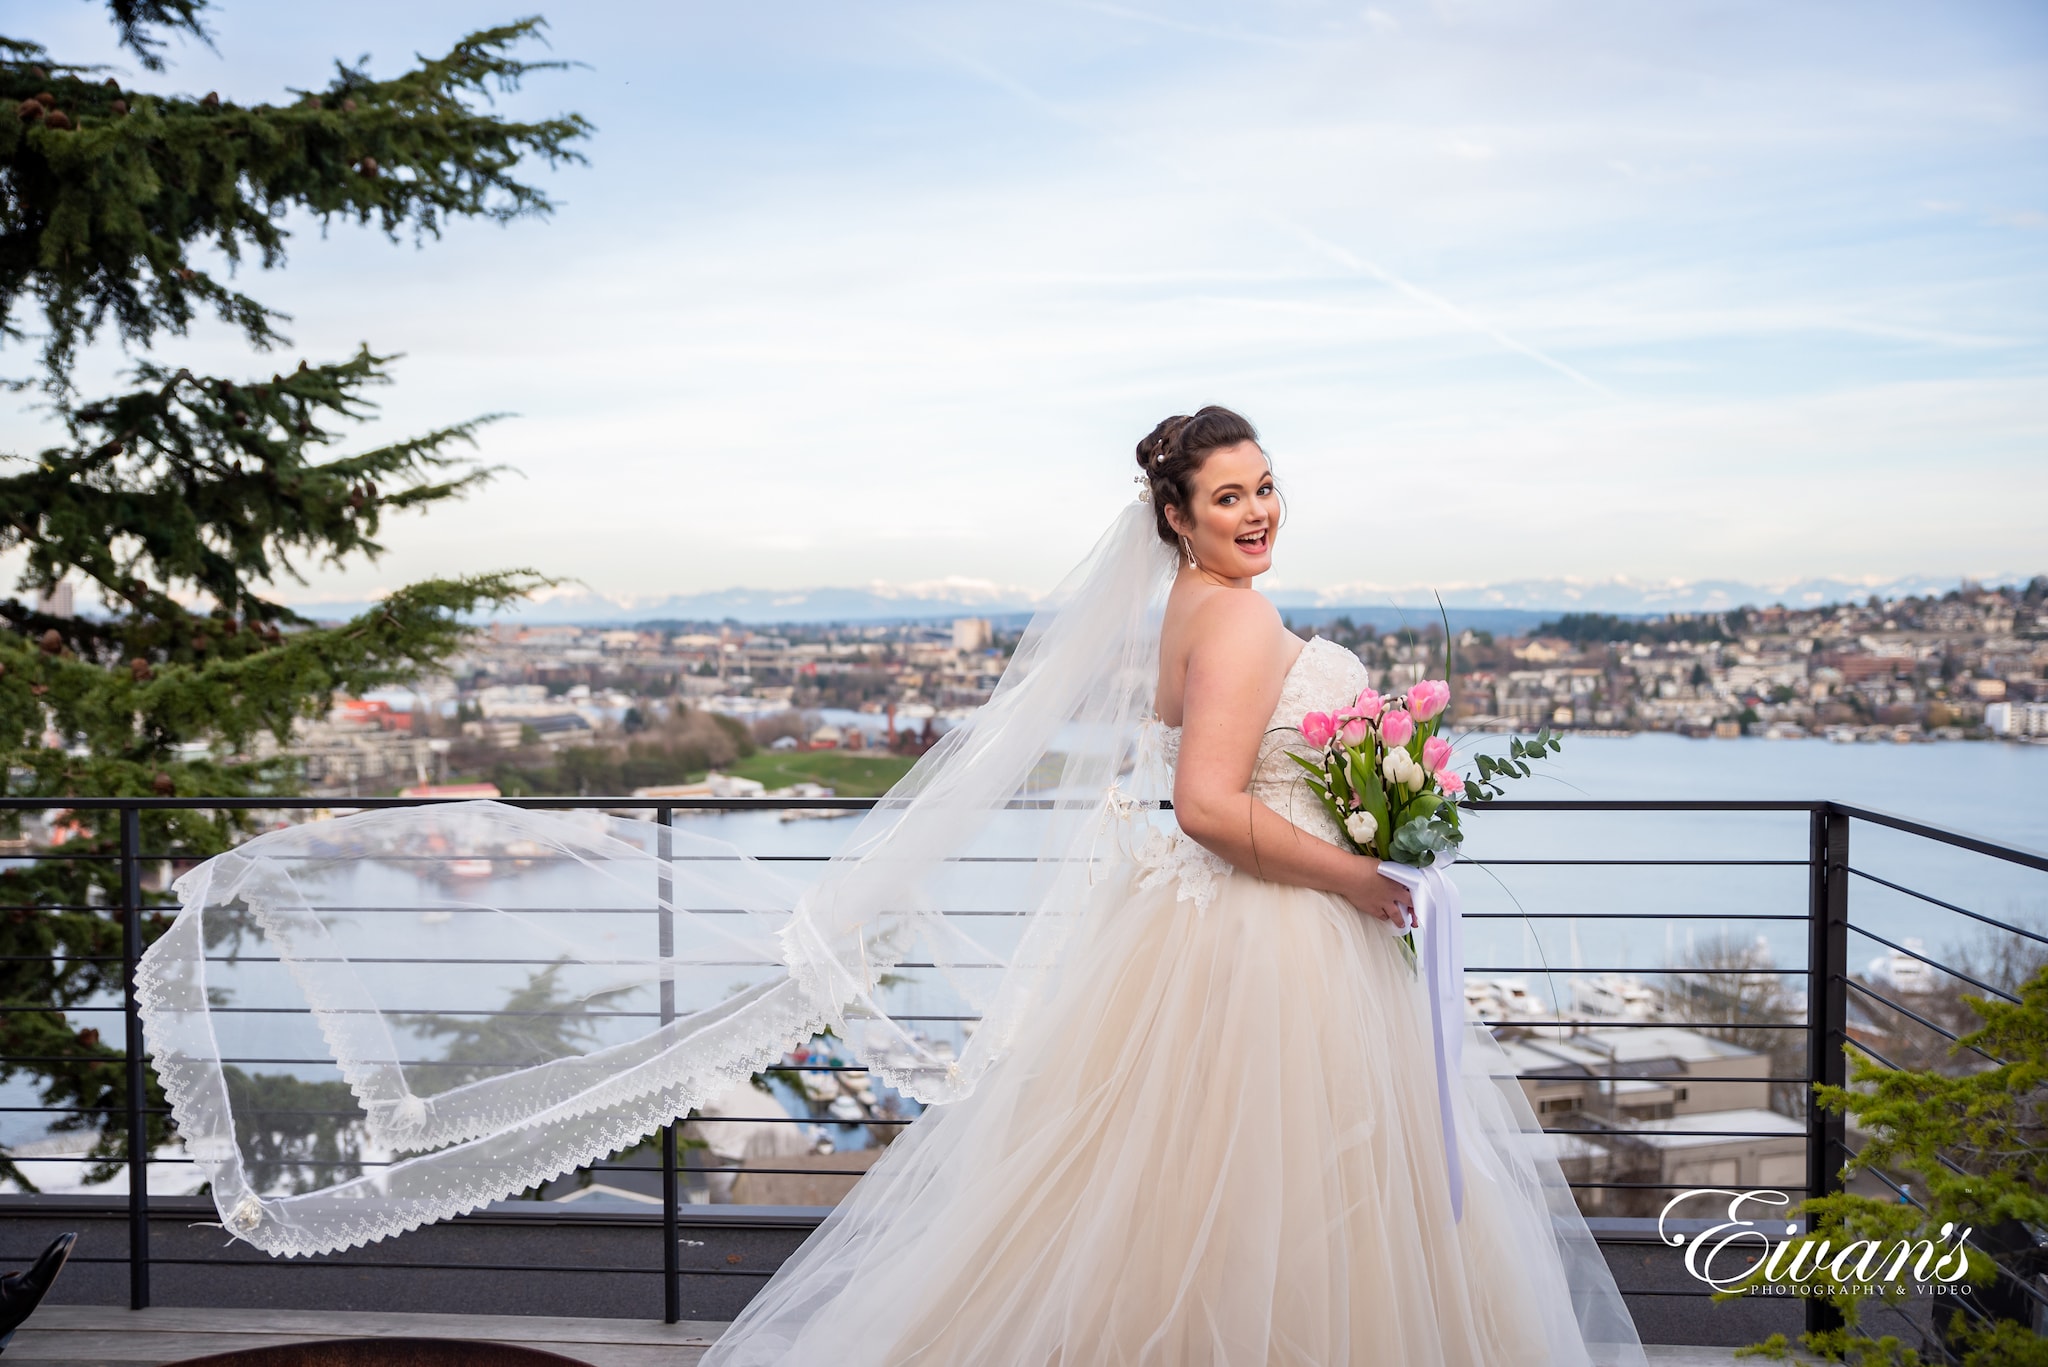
(1173, 451)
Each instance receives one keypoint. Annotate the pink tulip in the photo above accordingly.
(1354, 729)
(1317, 728)
(1436, 753)
(1369, 706)
(1450, 782)
(1428, 698)
(1396, 727)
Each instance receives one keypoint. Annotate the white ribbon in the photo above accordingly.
(1443, 965)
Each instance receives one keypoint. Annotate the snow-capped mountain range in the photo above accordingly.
(1511, 599)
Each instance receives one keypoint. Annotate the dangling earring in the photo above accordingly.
(1189, 551)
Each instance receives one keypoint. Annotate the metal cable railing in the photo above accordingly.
(1830, 988)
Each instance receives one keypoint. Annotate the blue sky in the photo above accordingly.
(886, 292)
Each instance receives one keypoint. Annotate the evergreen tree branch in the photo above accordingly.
(135, 18)
(105, 195)
(212, 489)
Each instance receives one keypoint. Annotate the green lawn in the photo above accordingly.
(849, 774)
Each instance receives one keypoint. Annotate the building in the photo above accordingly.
(451, 790)
(713, 784)
(2017, 718)
(972, 633)
(1645, 1106)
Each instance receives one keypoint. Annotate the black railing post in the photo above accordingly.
(1827, 1013)
(671, 1215)
(137, 1120)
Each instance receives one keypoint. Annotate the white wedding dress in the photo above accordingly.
(1199, 1120)
(1219, 1144)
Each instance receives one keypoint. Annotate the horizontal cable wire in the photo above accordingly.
(1932, 963)
(1992, 921)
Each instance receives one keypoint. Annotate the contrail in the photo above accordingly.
(1309, 238)
(1350, 260)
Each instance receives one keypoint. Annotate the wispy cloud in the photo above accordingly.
(887, 292)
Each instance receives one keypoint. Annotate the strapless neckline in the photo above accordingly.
(1323, 676)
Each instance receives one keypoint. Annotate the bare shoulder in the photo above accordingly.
(1232, 619)
(1229, 646)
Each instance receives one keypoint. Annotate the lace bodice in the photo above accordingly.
(1324, 676)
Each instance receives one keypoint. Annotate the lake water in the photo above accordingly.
(1992, 790)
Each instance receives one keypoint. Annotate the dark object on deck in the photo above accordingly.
(392, 1352)
(22, 1292)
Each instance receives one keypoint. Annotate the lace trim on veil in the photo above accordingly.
(1059, 732)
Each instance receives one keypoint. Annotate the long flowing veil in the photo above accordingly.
(470, 999)
(508, 994)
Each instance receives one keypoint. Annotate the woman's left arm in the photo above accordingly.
(1231, 690)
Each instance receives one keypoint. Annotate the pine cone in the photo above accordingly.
(112, 85)
(355, 499)
(368, 166)
(89, 1038)
(139, 667)
(57, 119)
(210, 100)
(46, 100)
(120, 107)
(239, 418)
(164, 785)
(230, 626)
(200, 643)
(29, 111)
(38, 689)
(348, 106)
(52, 642)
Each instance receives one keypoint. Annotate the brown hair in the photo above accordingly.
(1174, 450)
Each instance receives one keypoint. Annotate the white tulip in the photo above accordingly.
(1361, 828)
(1390, 767)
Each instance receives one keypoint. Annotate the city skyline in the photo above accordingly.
(1713, 291)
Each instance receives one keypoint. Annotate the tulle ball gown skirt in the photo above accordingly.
(1218, 1144)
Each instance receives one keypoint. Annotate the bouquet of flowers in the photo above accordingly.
(1385, 775)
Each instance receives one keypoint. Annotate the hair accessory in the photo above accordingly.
(1144, 488)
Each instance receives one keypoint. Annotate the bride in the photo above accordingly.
(1220, 1142)
(1202, 1120)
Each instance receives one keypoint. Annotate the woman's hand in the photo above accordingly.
(1377, 895)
